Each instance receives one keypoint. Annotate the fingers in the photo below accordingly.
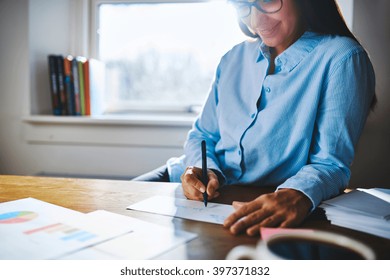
(193, 187)
(253, 221)
(192, 177)
(271, 221)
(212, 185)
(237, 204)
(244, 216)
(286, 208)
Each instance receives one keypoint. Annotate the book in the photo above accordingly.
(69, 85)
(80, 60)
(97, 86)
(366, 210)
(76, 87)
(83, 78)
(54, 91)
(61, 85)
(87, 93)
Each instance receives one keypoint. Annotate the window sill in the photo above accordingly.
(139, 130)
(173, 120)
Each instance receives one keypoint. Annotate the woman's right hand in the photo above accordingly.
(193, 187)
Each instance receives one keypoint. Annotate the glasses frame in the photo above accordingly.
(253, 4)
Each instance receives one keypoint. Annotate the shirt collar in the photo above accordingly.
(293, 55)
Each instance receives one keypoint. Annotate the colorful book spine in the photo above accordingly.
(80, 61)
(87, 91)
(76, 85)
(69, 85)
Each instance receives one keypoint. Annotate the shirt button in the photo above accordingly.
(253, 115)
(239, 152)
(267, 89)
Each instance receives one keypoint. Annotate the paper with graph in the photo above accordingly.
(33, 229)
(140, 244)
(184, 208)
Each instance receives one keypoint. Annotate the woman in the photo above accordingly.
(285, 109)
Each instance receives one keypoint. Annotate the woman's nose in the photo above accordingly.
(257, 18)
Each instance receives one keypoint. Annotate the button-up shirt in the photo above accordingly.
(296, 127)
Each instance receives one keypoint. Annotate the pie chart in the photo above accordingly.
(17, 217)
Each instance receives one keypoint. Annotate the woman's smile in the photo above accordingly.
(267, 31)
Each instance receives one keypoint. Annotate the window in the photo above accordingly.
(162, 56)
(346, 7)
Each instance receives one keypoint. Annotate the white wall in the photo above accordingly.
(48, 33)
(14, 83)
(372, 27)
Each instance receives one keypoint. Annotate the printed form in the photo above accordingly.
(183, 208)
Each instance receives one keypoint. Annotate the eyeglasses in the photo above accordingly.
(265, 6)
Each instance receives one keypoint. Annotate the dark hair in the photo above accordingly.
(324, 16)
(321, 16)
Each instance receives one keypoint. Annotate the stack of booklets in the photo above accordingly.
(76, 85)
(366, 210)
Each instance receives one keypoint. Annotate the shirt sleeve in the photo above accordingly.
(205, 128)
(342, 112)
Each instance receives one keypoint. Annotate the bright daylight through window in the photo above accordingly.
(163, 56)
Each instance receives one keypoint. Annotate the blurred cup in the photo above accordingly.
(313, 245)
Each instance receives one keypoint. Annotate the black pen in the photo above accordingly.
(205, 179)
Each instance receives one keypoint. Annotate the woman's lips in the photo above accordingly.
(267, 32)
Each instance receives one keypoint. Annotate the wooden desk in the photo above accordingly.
(213, 242)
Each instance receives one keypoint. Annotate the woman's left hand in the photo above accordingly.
(283, 208)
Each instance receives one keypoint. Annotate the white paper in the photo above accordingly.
(146, 240)
(361, 202)
(33, 229)
(184, 208)
(376, 226)
(363, 210)
(383, 194)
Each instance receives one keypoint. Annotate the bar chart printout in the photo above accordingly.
(33, 229)
(17, 217)
(63, 232)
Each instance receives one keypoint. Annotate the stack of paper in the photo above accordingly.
(366, 210)
(33, 229)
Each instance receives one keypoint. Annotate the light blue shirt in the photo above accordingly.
(296, 128)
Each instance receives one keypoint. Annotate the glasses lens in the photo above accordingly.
(269, 6)
(264, 6)
(243, 10)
